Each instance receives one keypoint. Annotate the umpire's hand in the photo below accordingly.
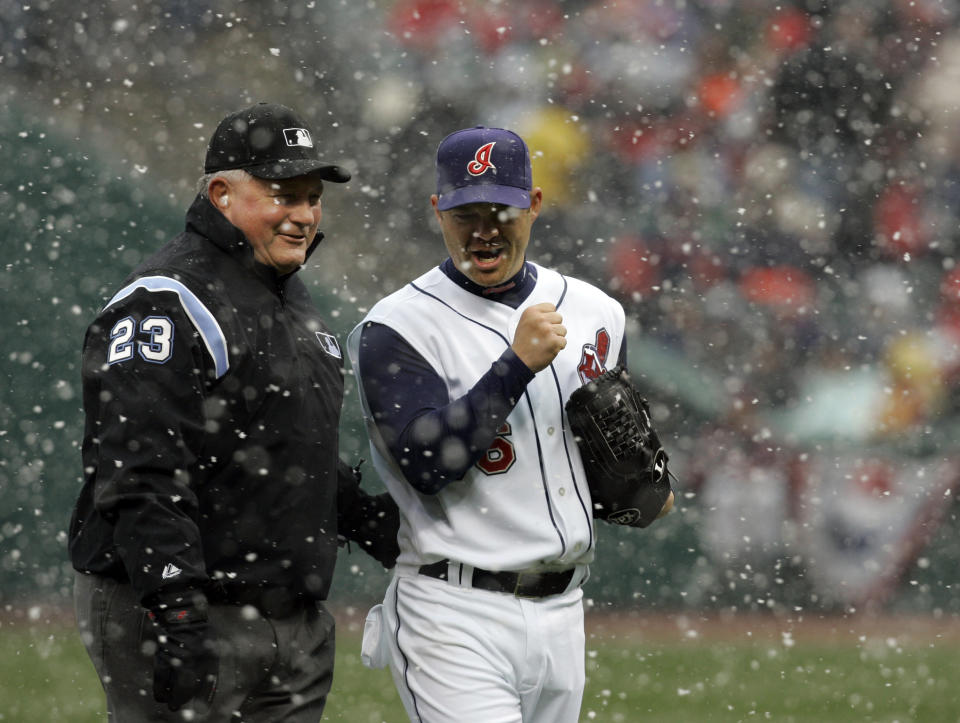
(186, 663)
(540, 336)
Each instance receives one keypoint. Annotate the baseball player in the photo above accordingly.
(463, 377)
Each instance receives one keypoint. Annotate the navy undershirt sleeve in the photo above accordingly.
(435, 440)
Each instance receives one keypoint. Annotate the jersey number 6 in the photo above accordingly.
(500, 457)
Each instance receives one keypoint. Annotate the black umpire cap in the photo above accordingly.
(268, 141)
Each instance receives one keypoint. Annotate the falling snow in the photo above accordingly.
(772, 192)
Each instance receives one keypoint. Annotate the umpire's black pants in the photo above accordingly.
(270, 669)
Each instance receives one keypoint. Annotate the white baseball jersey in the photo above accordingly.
(526, 504)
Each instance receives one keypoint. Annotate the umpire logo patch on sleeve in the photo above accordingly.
(329, 344)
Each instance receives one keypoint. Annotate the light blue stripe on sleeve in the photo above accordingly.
(200, 315)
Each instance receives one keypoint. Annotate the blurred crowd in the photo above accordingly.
(771, 189)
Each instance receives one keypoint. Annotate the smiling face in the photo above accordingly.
(278, 217)
(487, 241)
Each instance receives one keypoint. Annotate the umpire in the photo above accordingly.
(206, 531)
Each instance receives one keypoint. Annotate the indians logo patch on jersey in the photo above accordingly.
(593, 360)
(481, 162)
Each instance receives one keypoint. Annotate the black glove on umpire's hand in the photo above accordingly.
(378, 532)
(186, 662)
(372, 521)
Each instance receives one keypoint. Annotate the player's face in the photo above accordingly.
(279, 218)
(488, 242)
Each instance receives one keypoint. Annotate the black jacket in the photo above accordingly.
(212, 391)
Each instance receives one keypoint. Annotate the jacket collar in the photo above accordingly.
(205, 220)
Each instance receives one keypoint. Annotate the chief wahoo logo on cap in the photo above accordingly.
(481, 160)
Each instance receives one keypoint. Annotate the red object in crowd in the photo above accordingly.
(784, 288)
(897, 220)
(789, 30)
(948, 312)
(720, 94)
(494, 26)
(633, 266)
(422, 22)
(950, 287)
(637, 269)
(874, 478)
(705, 269)
(637, 142)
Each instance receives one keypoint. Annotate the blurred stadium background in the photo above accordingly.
(771, 189)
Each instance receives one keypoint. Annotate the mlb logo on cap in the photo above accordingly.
(480, 164)
(268, 141)
(297, 137)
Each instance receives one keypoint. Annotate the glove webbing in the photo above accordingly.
(620, 430)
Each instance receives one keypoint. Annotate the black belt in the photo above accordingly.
(521, 584)
(272, 602)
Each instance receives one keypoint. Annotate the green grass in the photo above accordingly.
(757, 681)
(45, 676)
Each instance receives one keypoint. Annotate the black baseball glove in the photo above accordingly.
(625, 463)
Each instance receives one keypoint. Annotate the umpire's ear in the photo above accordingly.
(217, 192)
(667, 506)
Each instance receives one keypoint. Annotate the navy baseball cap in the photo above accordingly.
(268, 141)
(483, 165)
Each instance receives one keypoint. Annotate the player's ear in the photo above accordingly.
(434, 199)
(536, 199)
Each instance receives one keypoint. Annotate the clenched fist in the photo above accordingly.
(540, 336)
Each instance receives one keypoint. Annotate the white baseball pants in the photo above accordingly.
(474, 656)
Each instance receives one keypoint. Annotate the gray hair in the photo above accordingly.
(237, 175)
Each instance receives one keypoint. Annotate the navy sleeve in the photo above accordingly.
(435, 440)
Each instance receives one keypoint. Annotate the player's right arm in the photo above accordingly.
(145, 375)
(435, 440)
(540, 336)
